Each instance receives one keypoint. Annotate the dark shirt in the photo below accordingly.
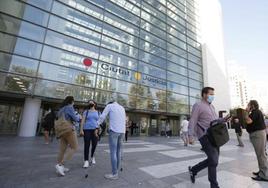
(258, 121)
(237, 127)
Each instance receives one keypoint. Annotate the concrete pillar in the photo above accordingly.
(30, 117)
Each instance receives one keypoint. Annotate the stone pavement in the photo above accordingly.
(149, 162)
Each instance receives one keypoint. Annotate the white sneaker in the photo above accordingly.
(60, 170)
(86, 164)
(93, 160)
(66, 169)
(111, 176)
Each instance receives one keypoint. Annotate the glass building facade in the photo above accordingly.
(145, 50)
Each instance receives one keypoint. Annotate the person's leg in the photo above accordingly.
(113, 139)
(73, 144)
(62, 150)
(119, 152)
(187, 138)
(126, 136)
(259, 143)
(86, 144)
(94, 140)
(46, 135)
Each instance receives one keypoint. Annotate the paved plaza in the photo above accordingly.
(148, 162)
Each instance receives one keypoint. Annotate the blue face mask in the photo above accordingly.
(210, 99)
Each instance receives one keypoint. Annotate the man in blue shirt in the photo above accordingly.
(117, 128)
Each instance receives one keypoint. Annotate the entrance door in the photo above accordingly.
(9, 118)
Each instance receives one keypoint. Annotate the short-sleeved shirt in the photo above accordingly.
(91, 118)
(184, 125)
(258, 121)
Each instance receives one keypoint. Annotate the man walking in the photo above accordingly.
(203, 113)
(184, 131)
(117, 128)
(238, 131)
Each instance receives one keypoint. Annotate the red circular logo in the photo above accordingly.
(87, 62)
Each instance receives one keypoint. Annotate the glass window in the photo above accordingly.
(114, 85)
(74, 30)
(103, 97)
(25, 12)
(59, 90)
(21, 28)
(195, 93)
(172, 9)
(176, 42)
(118, 34)
(43, 4)
(152, 19)
(195, 59)
(193, 100)
(149, 47)
(177, 59)
(130, 7)
(149, 104)
(176, 98)
(17, 64)
(68, 59)
(16, 83)
(160, 33)
(195, 67)
(123, 13)
(178, 108)
(19, 46)
(176, 68)
(178, 32)
(153, 39)
(78, 17)
(114, 71)
(195, 75)
(176, 50)
(195, 84)
(118, 59)
(152, 70)
(121, 24)
(194, 51)
(72, 45)
(118, 46)
(67, 75)
(152, 59)
(177, 78)
(171, 86)
(151, 81)
(155, 8)
(148, 92)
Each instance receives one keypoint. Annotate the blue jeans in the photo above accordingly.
(115, 144)
(211, 162)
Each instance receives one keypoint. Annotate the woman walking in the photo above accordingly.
(89, 129)
(69, 139)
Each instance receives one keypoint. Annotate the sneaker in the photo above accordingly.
(86, 164)
(93, 160)
(111, 176)
(60, 170)
(192, 175)
(66, 169)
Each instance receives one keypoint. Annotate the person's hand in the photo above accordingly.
(81, 133)
(191, 141)
(96, 133)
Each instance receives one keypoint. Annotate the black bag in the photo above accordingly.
(217, 133)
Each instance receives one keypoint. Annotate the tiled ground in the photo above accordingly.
(149, 162)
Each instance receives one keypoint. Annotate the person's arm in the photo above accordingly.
(104, 114)
(193, 121)
(83, 123)
(71, 113)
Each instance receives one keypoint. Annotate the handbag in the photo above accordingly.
(63, 127)
(217, 133)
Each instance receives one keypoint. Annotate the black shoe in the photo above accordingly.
(258, 178)
(192, 175)
(256, 173)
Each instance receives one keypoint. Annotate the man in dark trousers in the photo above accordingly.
(203, 113)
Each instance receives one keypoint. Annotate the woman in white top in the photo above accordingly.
(184, 131)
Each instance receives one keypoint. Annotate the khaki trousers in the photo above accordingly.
(258, 140)
(65, 141)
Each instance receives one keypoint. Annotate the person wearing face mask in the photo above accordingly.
(203, 113)
(89, 129)
(257, 135)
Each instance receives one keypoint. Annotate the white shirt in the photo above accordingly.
(117, 117)
(184, 125)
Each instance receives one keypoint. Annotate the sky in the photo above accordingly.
(245, 25)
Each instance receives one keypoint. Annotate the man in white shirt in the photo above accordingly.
(117, 129)
(184, 131)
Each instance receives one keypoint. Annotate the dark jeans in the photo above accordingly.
(211, 162)
(126, 136)
(89, 136)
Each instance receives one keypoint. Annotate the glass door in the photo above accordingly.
(9, 118)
